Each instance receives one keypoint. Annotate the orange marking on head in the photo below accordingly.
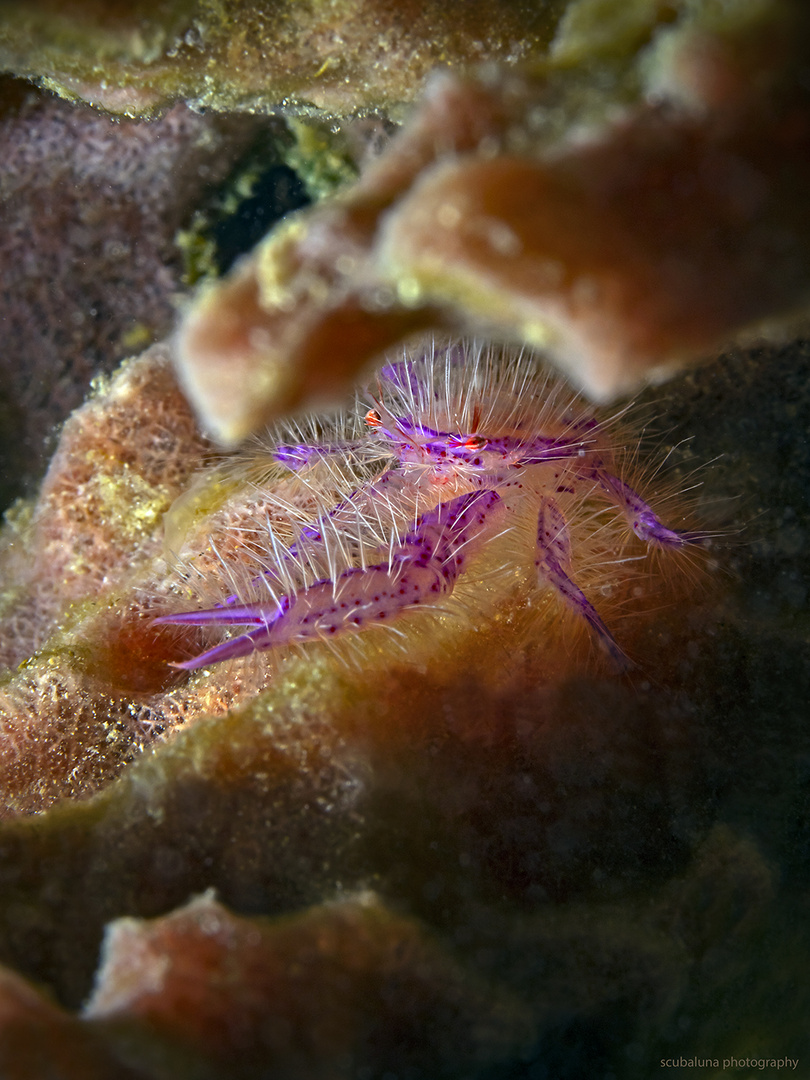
(475, 442)
(373, 419)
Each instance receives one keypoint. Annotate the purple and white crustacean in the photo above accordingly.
(461, 444)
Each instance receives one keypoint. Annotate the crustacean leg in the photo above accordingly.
(553, 564)
(643, 520)
(423, 566)
(366, 503)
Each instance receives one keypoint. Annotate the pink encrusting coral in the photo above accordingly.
(89, 209)
(406, 980)
(122, 459)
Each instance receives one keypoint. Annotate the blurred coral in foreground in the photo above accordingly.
(625, 232)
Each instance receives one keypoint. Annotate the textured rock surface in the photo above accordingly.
(338, 57)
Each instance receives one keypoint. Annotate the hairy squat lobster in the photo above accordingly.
(458, 442)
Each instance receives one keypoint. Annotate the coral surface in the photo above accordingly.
(336, 57)
(88, 267)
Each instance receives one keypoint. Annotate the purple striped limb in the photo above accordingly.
(423, 567)
(417, 443)
(385, 487)
(643, 520)
(553, 563)
(299, 456)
